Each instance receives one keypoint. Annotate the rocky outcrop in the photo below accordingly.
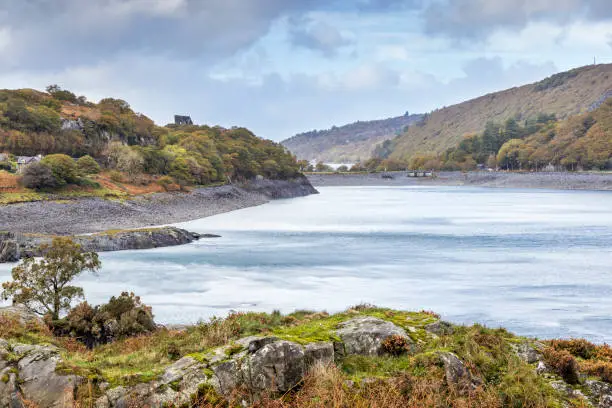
(25, 245)
(30, 374)
(22, 314)
(365, 335)
(457, 375)
(277, 189)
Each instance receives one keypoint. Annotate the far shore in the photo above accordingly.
(541, 180)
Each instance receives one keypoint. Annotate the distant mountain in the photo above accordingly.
(348, 143)
(563, 95)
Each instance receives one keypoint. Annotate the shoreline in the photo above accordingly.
(94, 215)
(552, 181)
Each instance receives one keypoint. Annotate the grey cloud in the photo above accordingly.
(476, 19)
(57, 33)
(317, 36)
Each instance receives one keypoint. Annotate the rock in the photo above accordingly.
(177, 370)
(9, 389)
(39, 381)
(24, 315)
(275, 368)
(440, 328)
(227, 377)
(256, 344)
(209, 236)
(457, 376)
(9, 251)
(542, 368)
(526, 352)
(601, 393)
(567, 391)
(365, 335)
(319, 353)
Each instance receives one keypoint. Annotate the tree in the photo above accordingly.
(43, 285)
(38, 176)
(130, 162)
(63, 167)
(87, 165)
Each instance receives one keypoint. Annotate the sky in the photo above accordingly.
(280, 67)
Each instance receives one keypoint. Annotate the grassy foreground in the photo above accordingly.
(414, 379)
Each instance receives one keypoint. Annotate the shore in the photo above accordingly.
(557, 181)
(91, 215)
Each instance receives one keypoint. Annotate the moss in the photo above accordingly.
(4, 378)
(359, 367)
(234, 348)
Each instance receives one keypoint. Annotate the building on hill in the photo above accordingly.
(4, 157)
(24, 161)
(182, 120)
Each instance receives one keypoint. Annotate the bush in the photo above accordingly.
(563, 363)
(166, 182)
(87, 165)
(122, 317)
(38, 176)
(396, 345)
(116, 176)
(63, 167)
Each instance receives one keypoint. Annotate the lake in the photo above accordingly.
(537, 262)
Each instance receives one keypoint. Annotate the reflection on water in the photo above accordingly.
(537, 262)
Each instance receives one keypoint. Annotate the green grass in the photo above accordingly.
(16, 198)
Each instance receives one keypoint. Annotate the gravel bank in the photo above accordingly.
(561, 181)
(94, 215)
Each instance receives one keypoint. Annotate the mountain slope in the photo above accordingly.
(564, 94)
(347, 143)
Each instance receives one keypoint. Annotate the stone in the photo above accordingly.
(440, 328)
(24, 315)
(567, 391)
(601, 392)
(39, 381)
(457, 376)
(9, 251)
(277, 368)
(365, 335)
(9, 389)
(256, 344)
(227, 377)
(542, 368)
(319, 353)
(526, 352)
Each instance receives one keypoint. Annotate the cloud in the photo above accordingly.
(477, 19)
(57, 33)
(317, 36)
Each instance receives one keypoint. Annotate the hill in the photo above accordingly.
(127, 146)
(563, 95)
(347, 143)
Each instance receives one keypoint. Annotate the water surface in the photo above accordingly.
(537, 262)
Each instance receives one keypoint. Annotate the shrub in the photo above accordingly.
(87, 165)
(122, 317)
(396, 345)
(116, 176)
(166, 182)
(63, 167)
(563, 363)
(38, 176)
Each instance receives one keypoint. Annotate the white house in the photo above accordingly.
(24, 161)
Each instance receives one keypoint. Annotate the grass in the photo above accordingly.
(413, 379)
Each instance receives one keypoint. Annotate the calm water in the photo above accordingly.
(538, 262)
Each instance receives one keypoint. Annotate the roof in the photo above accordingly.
(27, 159)
(3, 156)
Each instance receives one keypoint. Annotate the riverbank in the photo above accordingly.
(362, 357)
(557, 181)
(91, 215)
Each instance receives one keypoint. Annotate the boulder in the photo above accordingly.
(9, 251)
(24, 315)
(440, 328)
(275, 368)
(40, 383)
(9, 389)
(457, 376)
(319, 353)
(365, 335)
(528, 353)
(601, 393)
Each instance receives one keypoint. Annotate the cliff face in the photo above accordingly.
(276, 189)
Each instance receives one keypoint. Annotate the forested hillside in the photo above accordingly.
(349, 143)
(563, 95)
(114, 138)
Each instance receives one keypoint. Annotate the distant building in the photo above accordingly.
(182, 120)
(4, 157)
(24, 161)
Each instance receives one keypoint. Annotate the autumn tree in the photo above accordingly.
(63, 167)
(87, 165)
(38, 176)
(43, 286)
